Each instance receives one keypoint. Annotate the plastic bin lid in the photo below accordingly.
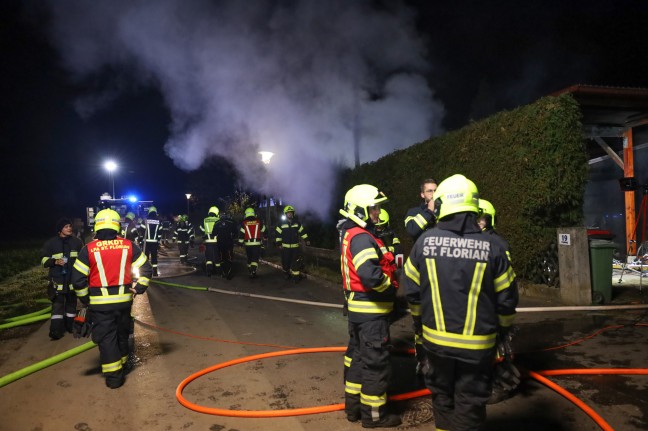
(601, 243)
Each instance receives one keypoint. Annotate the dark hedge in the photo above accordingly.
(529, 162)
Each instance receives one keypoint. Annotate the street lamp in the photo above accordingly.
(188, 195)
(266, 156)
(110, 166)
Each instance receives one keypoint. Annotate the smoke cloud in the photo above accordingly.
(303, 79)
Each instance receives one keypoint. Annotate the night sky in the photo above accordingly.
(163, 86)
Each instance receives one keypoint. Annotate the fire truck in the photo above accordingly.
(123, 206)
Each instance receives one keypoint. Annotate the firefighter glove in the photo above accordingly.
(504, 347)
(417, 325)
(82, 325)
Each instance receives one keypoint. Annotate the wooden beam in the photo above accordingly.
(630, 209)
(610, 152)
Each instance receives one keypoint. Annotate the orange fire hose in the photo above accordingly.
(539, 376)
(271, 413)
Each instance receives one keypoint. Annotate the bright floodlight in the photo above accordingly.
(266, 156)
(188, 195)
(110, 165)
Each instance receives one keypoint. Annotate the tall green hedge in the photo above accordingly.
(529, 162)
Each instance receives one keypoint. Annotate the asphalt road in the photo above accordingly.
(181, 331)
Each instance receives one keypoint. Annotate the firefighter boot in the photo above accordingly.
(115, 379)
(352, 407)
(388, 421)
(155, 272)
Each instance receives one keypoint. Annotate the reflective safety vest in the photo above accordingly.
(153, 230)
(252, 232)
(208, 229)
(350, 278)
(110, 271)
(367, 302)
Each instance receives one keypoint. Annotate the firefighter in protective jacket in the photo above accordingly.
(130, 230)
(210, 238)
(421, 218)
(252, 235)
(103, 281)
(486, 222)
(460, 287)
(288, 235)
(183, 235)
(59, 254)
(370, 291)
(152, 236)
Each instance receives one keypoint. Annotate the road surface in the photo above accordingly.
(181, 331)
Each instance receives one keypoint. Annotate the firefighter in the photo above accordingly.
(152, 237)
(226, 233)
(183, 235)
(58, 254)
(252, 235)
(130, 230)
(103, 281)
(460, 287)
(288, 235)
(370, 291)
(210, 238)
(141, 231)
(389, 238)
(421, 218)
(486, 222)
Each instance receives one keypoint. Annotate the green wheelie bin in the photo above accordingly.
(601, 256)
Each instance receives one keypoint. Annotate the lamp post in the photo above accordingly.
(188, 195)
(266, 156)
(110, 166)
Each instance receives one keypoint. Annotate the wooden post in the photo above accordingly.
(630, 208)
(574, 266)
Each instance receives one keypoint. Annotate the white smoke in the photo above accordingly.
(293, 77)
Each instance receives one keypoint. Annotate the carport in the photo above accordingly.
(615, 126)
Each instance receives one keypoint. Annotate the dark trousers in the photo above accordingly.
(210, 257)
(368, 373)
(151, 252)
(63, 314)
(110, 331)
(183, 248)
(253, 253)
(224, 257)
(290, 261)
(459, 392)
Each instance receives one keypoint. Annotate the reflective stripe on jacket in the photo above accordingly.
(252, 232)
(106, 267)
(463, 288)
(208, 229)
(288, 234)
(367, 274)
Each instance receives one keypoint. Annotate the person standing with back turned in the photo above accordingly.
(103, 281)
(460, 287)
(152, 236)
